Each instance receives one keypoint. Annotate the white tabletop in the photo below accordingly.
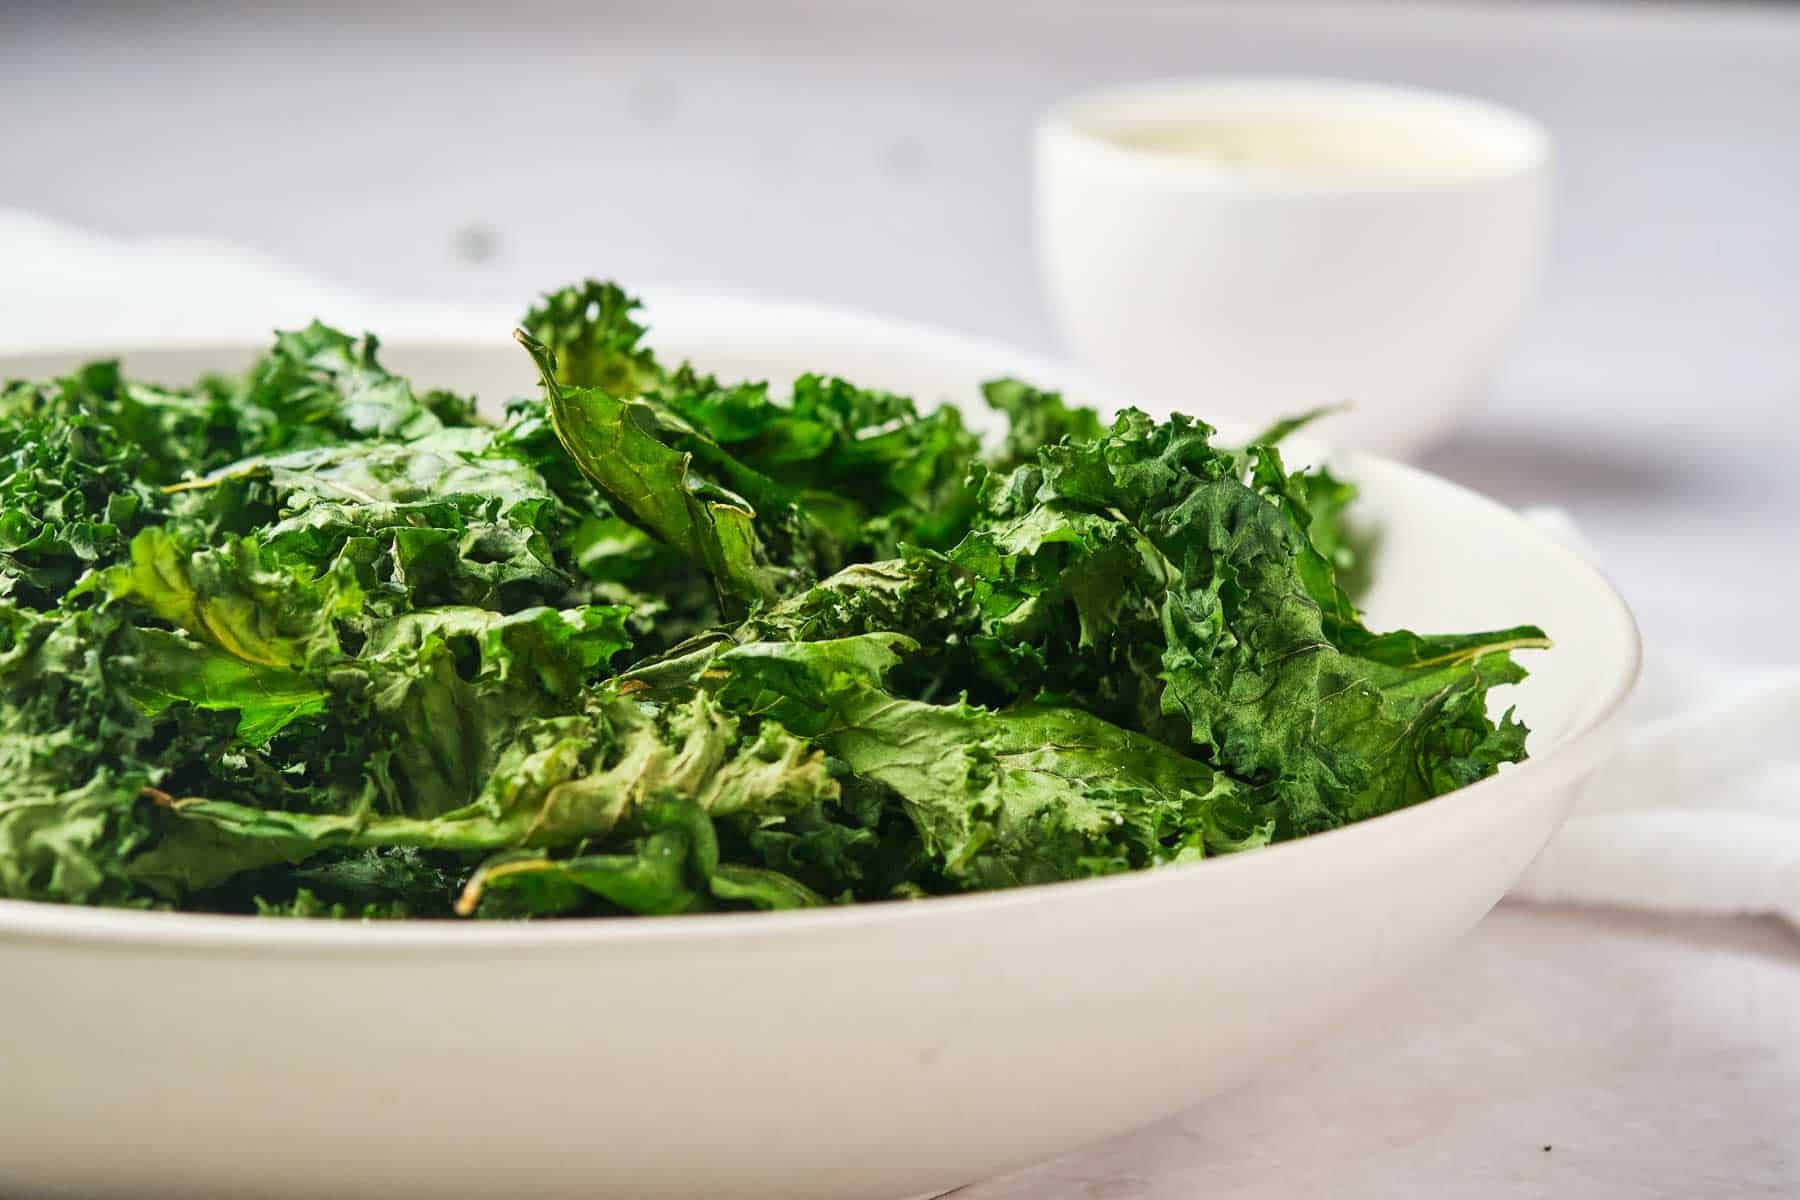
(859, 153)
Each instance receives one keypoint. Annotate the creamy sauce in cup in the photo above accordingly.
(1324, 144)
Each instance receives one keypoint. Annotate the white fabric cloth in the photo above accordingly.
(1699, 812)
(67, 288)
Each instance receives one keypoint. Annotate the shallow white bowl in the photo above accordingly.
(874, 1052)
(1259, 288)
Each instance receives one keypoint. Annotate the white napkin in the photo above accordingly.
(67, 288)
(1700, 809)
(1700, 812)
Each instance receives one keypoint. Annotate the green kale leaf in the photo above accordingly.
(310, 641)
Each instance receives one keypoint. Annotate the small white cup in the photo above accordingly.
(1249, 248)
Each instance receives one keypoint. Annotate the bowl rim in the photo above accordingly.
(756, 320)
(1070, 127)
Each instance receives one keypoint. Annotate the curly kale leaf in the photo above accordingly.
(1036, 419)
(866, 468)
(1140, 570)
(75, 484)
(319, 386)
(1172, 589)
(1027, 794)
(310, 641)
(79, 753)
(428, 697)
(864, 464)
(680, 486)
(595, 341)
(559, 782)
(86, 458)
(671, 865)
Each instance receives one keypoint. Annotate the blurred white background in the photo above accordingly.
(876, 155)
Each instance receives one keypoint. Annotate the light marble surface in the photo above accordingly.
(876, 155)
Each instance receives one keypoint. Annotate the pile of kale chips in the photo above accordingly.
(310, 640)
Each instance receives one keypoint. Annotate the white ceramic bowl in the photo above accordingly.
(1388, 279)
(871, 1052)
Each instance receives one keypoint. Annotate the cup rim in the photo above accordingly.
(1517, 145)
